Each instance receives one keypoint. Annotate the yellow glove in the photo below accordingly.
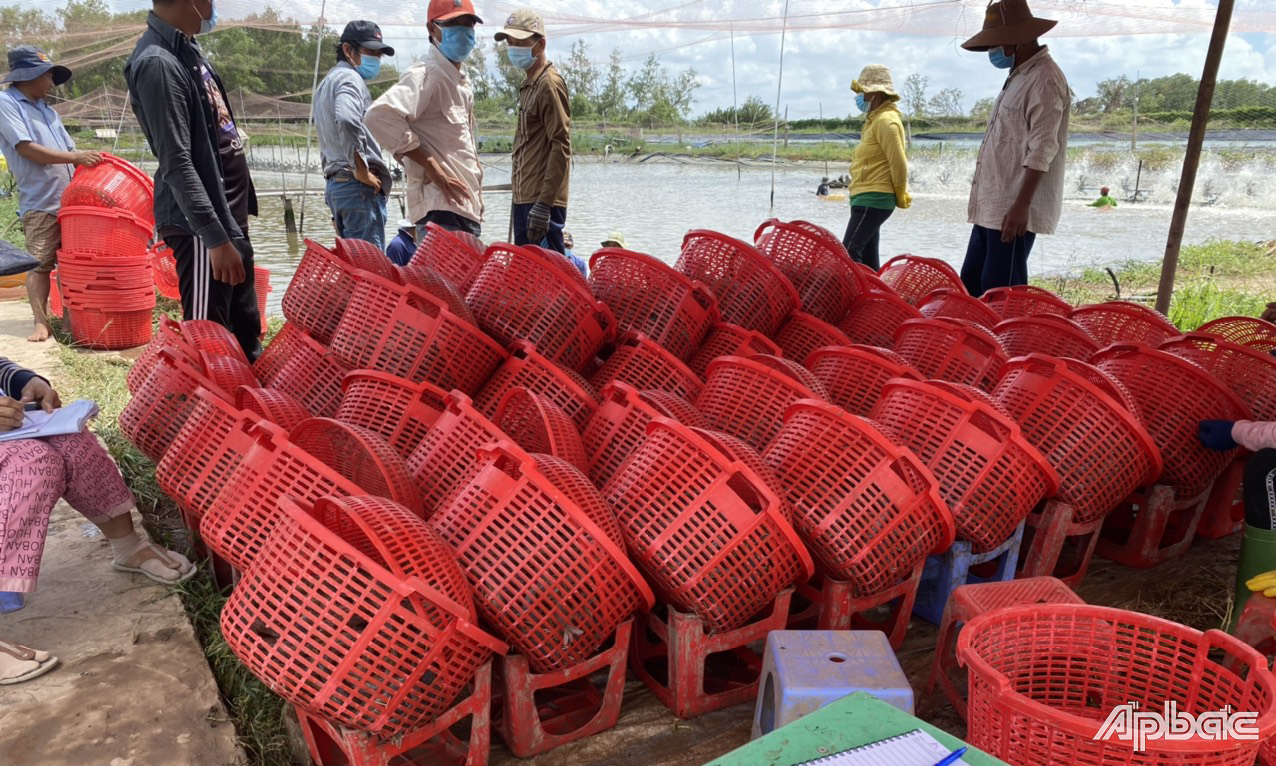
(902, 201)
(1264, 583)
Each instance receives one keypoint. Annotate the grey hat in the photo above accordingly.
(27, 62)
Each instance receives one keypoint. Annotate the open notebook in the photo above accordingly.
(914, 748)
(37, 424)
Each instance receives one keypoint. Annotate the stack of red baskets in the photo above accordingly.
(106, 278)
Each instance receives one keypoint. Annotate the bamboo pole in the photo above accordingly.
(1192, 159)
(320, 26)
(779, 86)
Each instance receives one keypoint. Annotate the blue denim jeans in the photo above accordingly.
(358, 212)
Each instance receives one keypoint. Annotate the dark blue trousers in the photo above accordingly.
(553, 240)
(992, 263)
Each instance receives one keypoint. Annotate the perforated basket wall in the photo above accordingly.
(815, 262)
(747, 397)
(952, 351)
(751, 291)
(161, 404)
(802, 333)
(1123, 322)
(1024, 300)
(1247, 331)
(913, 277)
(271, 405)
(1050, 334)
(644, 364)
(360, 455)
(305, 369)
(448, 451)
(726, 339)
(947, 303)
(853, 376)
(450, 255)
(526, 367)
(366, 256)
(1249, 372)
(207, 449)
(538, 426)
(227, 372)
(401, 411)
(875, 316)
(431, 282)
(620, 424)
(113, 183)
(319, 291)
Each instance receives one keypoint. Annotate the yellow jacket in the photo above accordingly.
(879, 163)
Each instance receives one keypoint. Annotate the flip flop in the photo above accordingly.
(44, 662)
(162, 555)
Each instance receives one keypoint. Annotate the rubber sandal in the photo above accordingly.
(44, 662)
(163, 555)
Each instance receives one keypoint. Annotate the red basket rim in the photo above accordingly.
(1047, 296)
(528, 351)
(578, 286)
(961, 297)
(750, 336)
(360, 435)
(886, 356)
(1261, 324)
(1087, 728)
(1125, 349)
(1054, 320)
(882, 295)
(644, 341)
(956, 325)
(105, 212)
(1129, 308)
(124, 166)
(1219, 340)
(943, 266)
(800, 226)
(753, 254)
(650, 261)
(434, 228)
(384, 377)
(765, 369)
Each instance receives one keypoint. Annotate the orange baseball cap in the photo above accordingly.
(442, 10)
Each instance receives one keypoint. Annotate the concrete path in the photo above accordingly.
(134, 688)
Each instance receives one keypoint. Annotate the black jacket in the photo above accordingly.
(172, 105)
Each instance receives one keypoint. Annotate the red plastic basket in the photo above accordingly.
(272, 406)
(1123, 322)
(448, 451)
(303, 368)
(360, 455)
(319, 292)
(725, 339)
(1249, 372)
(1050, 334)
(950, 350)
(913, 277)
(1173, 396)
(1024, 300)
(528, 368)
(620, 424)
(160, 405)
(853, 376)
(1045, 678)
(90, 274)
(538, 425)
(1247, 331)
(164, 272)
(55, 295)
(209, 447)
(450, 255)
(405, 332)
(1099, 448)
(334, 630)
(544, 571)
(188, 338)
(990, 476)
(747, 397)
(947, 303)
(875, 316)
(276, 353)
(803, 333)
(522, 295)
(401, 411)
(110, 330)
(646, 365)
(227, 373)
(650, 297)
(815, 262)
(112, 183)
(366, 256)
(704, 527)
(263, 288)
(734, 449)
(751, 291)
(429, 281)
(104, 231)
(868, 509)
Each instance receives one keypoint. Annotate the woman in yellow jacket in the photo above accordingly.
(879, 168)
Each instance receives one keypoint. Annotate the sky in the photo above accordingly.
(828, 41)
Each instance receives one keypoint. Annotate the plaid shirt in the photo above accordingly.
(1028, 128)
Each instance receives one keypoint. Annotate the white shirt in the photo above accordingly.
(432, 106)
(1028, 128)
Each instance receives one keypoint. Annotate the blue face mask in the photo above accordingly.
(207, 25)
(999, 58)
(457, 43)
(369, 66)
(523, 58)
(860, 102)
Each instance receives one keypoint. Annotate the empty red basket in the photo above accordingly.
(538, 425)
(1045, 678)
(650, 297)
(875, 316)
(704, 527)
(620, 424)
(164, 271)
(161, 404)
(868, 509)
(949, 303)
(449, 254)
(272, 406)
(303, 368)
(644, 364)
(399, 410)
(526, 367)
(990, 476)
(725, 339)
(1123, 322)
(1174, 396)
(206, 451)
(336, 630)
(406, 332)
(360, 455)
(913, 277)
(751, 291)
(544, 572)
(319, 291)
(803, 333)
(815, 262)
(110, 330)
(1024, 300)
(522, 295)
(1050, 334)
(113, 183)
(433, 283)
(227, 373)
(951, 350)
(261, 284)
(1100, 449)
(449, 450)
(747, 397)
(1247, 331)
(853, 376)
(188, 336)
(104, 231)
(1249, 372)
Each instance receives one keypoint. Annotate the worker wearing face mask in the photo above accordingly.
(879, 168)
(358, 179)
(426, 121)
(1017, 192)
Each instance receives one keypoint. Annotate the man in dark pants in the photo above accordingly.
(203, 192)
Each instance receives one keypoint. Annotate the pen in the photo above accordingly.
(952, 757)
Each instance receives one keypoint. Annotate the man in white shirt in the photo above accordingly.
(426, 121)
(1017, 192)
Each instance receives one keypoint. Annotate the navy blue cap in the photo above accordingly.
(27, 62)
(367, 35)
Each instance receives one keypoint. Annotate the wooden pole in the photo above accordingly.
(1192, 159)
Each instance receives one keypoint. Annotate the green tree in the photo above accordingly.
(914, 95)
(982, 109)
(583, 79)
(946, 103)
(611, 96)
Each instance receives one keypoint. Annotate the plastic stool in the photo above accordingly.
(1049, 531)
(1152, 527)
(833, 605)
(1257, 624)
(1225, 510)
(531, 722)
(946, 572)
(969, 601)
(436, 744)
(673, 658)
(804, 670)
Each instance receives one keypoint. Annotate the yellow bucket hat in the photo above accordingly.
(875, 78)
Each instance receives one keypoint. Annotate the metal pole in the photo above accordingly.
(1134, 126)
(1192, 159)
(735, 101)
(779, 85)
(823, 128)
(314, 84)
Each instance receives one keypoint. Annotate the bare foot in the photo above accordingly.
(41, 333)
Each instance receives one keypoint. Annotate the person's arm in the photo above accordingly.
(1254, 435)
(1045, 109)
(13, 378)
(347, 108)
(13, 130)
(891, 139)
(556, 118)
(390, 119)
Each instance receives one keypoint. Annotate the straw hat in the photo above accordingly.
(875, 78)
(1008, 22)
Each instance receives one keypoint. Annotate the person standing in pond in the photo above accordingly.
(879, 167)
(358, 179)
(1104, 201)
(426, 120)
(203, 191)
(1017, 192)
(542, 139)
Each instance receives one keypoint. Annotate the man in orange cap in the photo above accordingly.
(426, 120)
(1017, 192)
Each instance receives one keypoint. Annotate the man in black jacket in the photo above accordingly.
(203, 192)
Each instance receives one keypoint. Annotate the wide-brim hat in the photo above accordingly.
(27, 62)
(1008, 22)
(875, 78)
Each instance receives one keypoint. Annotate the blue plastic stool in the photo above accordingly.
(804, 670)
(947, 571)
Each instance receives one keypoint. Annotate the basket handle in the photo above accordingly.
(416, 586)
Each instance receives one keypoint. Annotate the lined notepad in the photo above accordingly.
(914, 748)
